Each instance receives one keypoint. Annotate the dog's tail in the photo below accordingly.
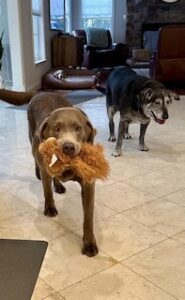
(101, 89)
(16, 98)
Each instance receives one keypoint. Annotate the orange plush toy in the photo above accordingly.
(89, 165)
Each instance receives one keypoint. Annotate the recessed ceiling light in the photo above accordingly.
(170, 1)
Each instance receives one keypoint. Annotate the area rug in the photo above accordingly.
(20, 263)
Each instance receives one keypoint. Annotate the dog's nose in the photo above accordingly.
(68, 148)
(165, 116)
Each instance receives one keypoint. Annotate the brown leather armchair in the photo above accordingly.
(96, 57)
(168, 63)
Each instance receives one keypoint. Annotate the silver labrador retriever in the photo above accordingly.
(49, 115)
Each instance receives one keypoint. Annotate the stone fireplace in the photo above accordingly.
(143, 13)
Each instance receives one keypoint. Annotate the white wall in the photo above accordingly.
(26, 74)
(119, 20)
(75, 22)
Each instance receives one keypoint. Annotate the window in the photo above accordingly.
(38, 30)
(96, 13)
(57, 20)
(60, 14)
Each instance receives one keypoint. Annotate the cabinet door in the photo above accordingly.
(64, 51)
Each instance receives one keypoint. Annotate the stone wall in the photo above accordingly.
(150, 11)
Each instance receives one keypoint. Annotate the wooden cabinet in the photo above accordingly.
(66, 51)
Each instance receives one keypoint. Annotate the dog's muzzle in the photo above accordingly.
(156, 119)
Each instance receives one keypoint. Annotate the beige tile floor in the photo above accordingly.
(139, 213)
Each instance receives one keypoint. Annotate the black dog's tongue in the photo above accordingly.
(159, 121)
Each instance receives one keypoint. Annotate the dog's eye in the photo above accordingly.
(157, 102)
(78, 128)
(168, 102)
(57, 129)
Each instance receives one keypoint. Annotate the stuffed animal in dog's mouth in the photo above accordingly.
(89, 165)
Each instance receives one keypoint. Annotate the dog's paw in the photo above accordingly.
(116, 153)
(59, 188)
(90, 249)
(50, 212)
(112, 139)
(143, 148)
(127, 136)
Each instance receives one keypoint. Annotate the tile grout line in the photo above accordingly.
(150, 281)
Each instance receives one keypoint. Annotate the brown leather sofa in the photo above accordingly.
(168, 63)
(95, 57)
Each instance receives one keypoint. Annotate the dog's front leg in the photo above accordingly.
(50, 209)
(58, 186)
(111, 112)
(89, 242)
(119, 143)
(143, 128)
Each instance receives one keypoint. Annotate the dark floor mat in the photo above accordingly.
(20, 263)
(74, 97)
(80, 96)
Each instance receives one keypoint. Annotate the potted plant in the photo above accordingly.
(1, 54)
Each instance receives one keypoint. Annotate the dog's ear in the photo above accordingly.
(90, 132)
(42, 129)
(145, 95)
(174, 96)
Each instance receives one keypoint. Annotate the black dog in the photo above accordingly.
(138, 99)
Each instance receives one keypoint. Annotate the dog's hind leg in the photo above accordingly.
(143, 128)
(127, 136)
(121, 130)
(58, 186)
(111, 112)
